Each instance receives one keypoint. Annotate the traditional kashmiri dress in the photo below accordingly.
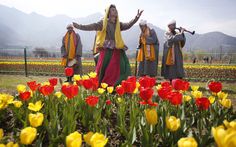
(172, 60)
(113, 65)
(148, 53)
(72, 49)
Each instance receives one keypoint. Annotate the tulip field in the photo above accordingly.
(138, 112)
(53, 67)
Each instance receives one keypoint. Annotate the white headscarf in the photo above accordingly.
(69, 26)
(142, 22)
(172, 22)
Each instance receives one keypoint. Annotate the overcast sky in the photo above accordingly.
(199, 15)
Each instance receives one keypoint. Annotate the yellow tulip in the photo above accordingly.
(110, 89)
(21, 88)
(120, 100)
(2, 145)
(45, 83)
(231, 124)
(172, 123)
(187, 142)
(58, 94)
(92, 74)
(87, 138)
(226, 103)
(66, 84)
(35, 107)
(101, 90)
(222, 95)
(28, 135)
(104, 85)
(135, 90)
(119, 86)
(85, 77)
(151, 116)
(187, 98)
(74, 139)
(223, 137)
(137, 84)
(5, 99)
(77, 77)
(36, 120)
(11, 144)
(194, 88)
(98, 140)
(1, 133)
(212, 99)
(158, 86)
(17, 104)
(196, 94)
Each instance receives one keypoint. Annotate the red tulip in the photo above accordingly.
(53, 81)
(70, 91)
(163, 92)
(131, 79)
(33, 86)
(175, 98)
(69, 71)
(120, 90)
(46, 89)
(147, 81)
(108, 102)
(128, 86)
(202, 103)
(215, 87)
(79, 82)
(25, 95)
(92, 100)
(95, 83)
(179, 84)
(88, 84)
(146, 93)
(165, 84)
(186, 85)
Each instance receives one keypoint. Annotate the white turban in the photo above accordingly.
(142, 22)
(70, 26)
(172, 22)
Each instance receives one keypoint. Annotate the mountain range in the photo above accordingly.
(19, 29)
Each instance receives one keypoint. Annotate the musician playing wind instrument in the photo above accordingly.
(172, 60)
(113, 65)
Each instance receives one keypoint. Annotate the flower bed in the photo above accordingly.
(138, 112)
(203, 72)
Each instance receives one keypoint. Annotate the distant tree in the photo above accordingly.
(40, 52)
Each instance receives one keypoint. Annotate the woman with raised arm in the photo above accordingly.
(113, 64)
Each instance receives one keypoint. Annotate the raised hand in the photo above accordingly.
(139, 13)
(75, 25)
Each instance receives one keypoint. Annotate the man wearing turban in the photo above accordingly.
(148, 51)
(71, 51)
(172, 60)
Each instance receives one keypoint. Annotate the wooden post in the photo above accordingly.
(25, 57)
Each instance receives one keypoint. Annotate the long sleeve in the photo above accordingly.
(126, 26)
(63, 49)
(91, 27)
(152, 39)
(79, 46)
(174, 38)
